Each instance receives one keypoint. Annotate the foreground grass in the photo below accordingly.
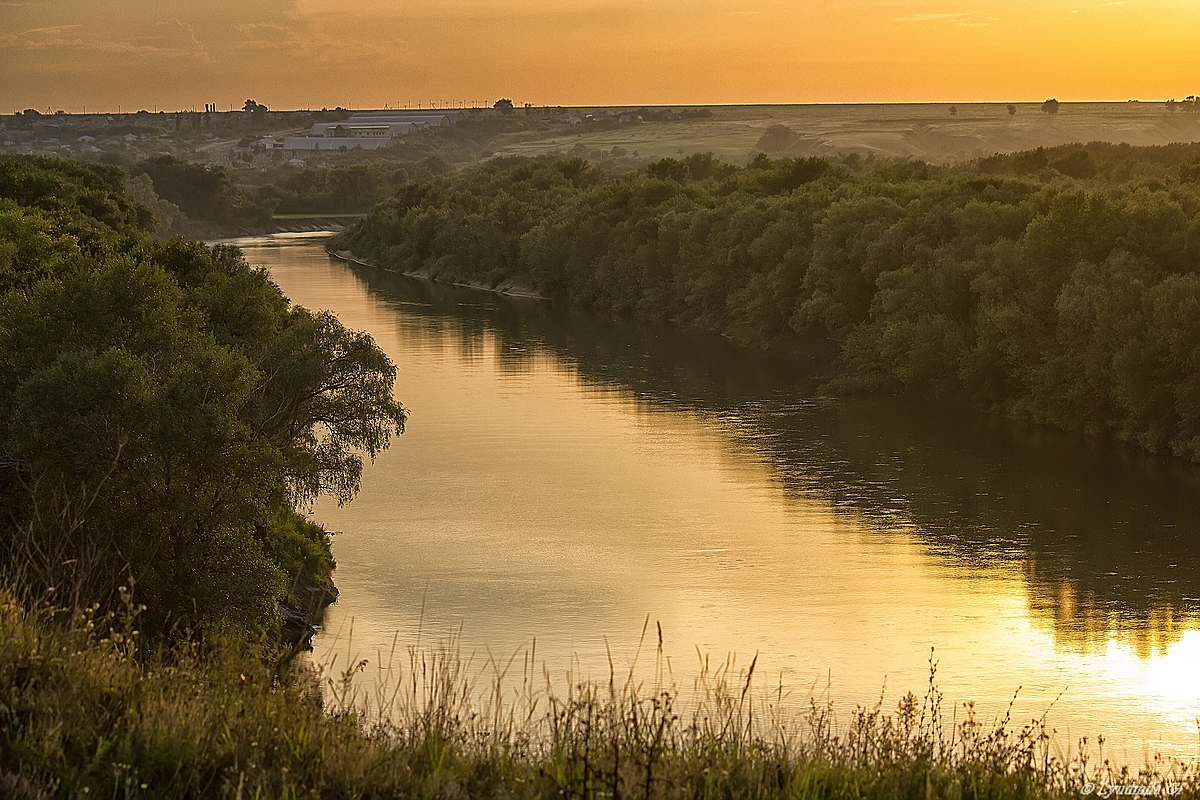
(85, 712)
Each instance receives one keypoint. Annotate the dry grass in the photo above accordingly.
(85, 713)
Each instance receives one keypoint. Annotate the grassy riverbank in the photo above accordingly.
(86, 712)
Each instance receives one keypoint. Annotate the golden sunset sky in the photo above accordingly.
(296, 53)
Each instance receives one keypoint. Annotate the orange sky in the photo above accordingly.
(294, 53)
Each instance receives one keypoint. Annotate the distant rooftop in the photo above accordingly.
(426, 114)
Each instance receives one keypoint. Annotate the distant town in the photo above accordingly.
(257, 136)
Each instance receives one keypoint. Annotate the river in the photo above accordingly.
(563, 479)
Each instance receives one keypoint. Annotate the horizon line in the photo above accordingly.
(233, 108)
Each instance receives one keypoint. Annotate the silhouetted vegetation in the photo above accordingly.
(332, 190)
(163, 412)
(205, 193)
(86, 711)
(1057, 285)
(214, 204)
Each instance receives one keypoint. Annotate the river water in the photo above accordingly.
(563, 479)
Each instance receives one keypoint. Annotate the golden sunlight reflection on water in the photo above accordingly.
(526, 502)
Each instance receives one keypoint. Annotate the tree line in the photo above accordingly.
(165, 412)
(1058, 285)
(197, 199)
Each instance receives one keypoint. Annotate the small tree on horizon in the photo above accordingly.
(1050, 107)
(1012, 110)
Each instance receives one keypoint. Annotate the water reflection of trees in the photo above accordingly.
(1107, 541)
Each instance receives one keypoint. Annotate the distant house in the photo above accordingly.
(366, 130)
(397, 123)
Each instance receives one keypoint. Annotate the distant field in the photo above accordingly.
(926, 131)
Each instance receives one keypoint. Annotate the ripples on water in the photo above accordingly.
(563, 477)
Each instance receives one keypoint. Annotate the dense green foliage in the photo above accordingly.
(341, 189)
(206, 194)
(205, 200)
(89, 714)
(85, 201)
(164, 410)
(1055, 285)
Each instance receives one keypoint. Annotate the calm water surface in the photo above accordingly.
(563, 478)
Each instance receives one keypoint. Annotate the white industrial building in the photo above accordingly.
(293, 143)
(370, 130)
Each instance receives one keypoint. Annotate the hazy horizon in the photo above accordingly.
(127, 109)
(294, 54)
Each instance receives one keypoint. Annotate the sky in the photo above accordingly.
(170, 54)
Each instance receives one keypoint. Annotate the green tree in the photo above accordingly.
(203, 192)
(163, 412)
(1005, 280)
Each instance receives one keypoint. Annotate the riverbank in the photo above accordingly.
(320, 227)
(567, 474)
(87, 713)
(1022, 285)
(503, 288)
